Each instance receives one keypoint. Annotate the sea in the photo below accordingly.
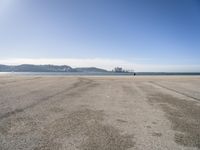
(100, 73)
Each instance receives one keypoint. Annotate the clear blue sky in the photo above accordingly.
(164, 32)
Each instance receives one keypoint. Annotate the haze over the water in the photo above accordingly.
(145, 35)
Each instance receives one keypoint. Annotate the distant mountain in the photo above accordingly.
(5, 68)
(46, 68)
(42, 68)
(90, 69)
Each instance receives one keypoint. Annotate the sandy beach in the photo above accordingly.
(99, 113)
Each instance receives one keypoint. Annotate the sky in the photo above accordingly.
(144, 35)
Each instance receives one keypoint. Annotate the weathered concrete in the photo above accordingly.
(99, 113)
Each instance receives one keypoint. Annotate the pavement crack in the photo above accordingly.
(173, 90)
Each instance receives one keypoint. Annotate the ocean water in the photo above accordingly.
(100, 73)
(66, 73)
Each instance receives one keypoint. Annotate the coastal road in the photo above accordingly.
(99, 113)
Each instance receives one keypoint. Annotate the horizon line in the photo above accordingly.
(104, 63)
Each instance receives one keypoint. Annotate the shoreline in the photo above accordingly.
(100, 74)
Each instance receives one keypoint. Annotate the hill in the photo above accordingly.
(47, 68)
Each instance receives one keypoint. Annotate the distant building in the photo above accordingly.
(121, 70)
(118, 69)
